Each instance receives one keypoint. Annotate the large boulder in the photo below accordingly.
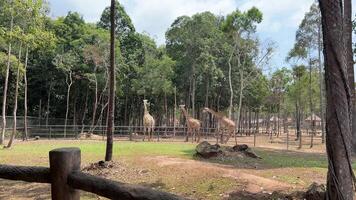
(206, 150)
(242, 147)
(315, 192)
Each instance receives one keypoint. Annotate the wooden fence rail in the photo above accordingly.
(66, 179)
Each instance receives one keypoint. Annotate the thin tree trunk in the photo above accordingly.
(340, 177)
(48, 103)
(69, 84)
(311, 107)
(193, 95)
(95, 106)
(85, 111)
(15, 104)
(230, 82)
(322, 115)
(125, 111)
(110, 121)
(240, 103)
(174, 114)
(25, 100)
(5, 86)
(75, 110)
(40, 112)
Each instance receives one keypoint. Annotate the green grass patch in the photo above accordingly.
(24, 152)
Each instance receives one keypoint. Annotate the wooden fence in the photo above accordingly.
(66, 179)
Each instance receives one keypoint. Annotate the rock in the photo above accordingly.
(242, 147)
(103, 164)
(315, 192)
(37, 137)
(206, 150)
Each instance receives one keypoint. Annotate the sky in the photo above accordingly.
(281, 18)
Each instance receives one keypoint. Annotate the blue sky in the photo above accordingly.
(281, 17)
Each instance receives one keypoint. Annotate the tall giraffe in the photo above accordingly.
(193, 125)
(148, 122)
(224, 124)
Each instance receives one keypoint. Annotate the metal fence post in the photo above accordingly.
(62, 162)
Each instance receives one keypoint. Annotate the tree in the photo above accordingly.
(66, 62)
(11, 13)
(309, 40)
(110, 122)
(240, 25)
(340, 177)
(16, 96)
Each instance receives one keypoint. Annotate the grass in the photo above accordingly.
(91, 150)
(286, 166)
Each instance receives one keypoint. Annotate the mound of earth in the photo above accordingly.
(115, 170)
(207, 150)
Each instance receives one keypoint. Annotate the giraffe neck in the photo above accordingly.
(185, 113)
(217, 115)
(145, 109)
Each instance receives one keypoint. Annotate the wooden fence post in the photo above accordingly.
(62, 162)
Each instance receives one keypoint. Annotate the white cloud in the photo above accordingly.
(286, 13)
(281, 17)
(155, 16)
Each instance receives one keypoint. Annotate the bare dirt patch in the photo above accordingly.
(252, 183)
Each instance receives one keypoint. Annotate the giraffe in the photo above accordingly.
(148, 122)
(193, 125)
(224, 124)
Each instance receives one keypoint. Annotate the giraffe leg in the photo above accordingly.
(192, 135)
(187, 135)
(217, 133)
(151, 132)
(198, 133)
(157, 135)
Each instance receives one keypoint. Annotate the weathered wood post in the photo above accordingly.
(62, 162)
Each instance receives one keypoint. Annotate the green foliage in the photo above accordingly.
(241, 22)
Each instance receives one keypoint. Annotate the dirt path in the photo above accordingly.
(253, 183)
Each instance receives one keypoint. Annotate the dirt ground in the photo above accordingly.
(195, 178)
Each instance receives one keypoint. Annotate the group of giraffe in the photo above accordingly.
(226, 125)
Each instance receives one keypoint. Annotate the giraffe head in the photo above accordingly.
(205, 110)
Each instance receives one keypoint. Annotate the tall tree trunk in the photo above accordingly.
(125, 111)
(240, 103)
(95, 106)
(350, 68)
(25, 136)
(174, 112)
(230, 83)
(340, 177)
(193, 93)
(110, 121)
(48, 103)
(75, 110)
(311, 106)
(40, 112)
(85, 111)
(15, 104)
(2, 138)
(322, 115)
(69, 84)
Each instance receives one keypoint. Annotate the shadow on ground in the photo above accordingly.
(23, 190)
(272, 159)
